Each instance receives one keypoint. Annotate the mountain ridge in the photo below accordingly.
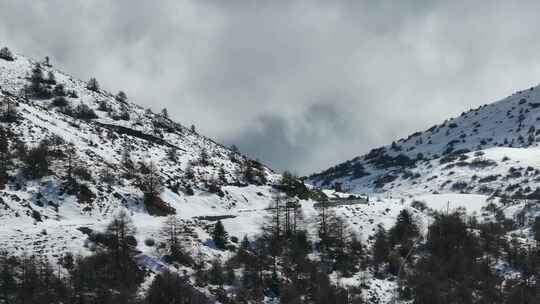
(477, 139)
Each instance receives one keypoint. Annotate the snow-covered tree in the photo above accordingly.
(93, 85)
(6, 54)
(121, 97)
(219, 235)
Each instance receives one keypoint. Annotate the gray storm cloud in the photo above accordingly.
(301, 85)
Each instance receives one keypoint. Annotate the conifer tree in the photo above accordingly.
(8, 284)
(93, 85)
(9, 108)
(204, 157)
(37, 88)
(60, 102)
(380, 248)
(121, 97)
(124, 113)
(244, 249)
(219, 235)
(51, 79)
(403, 232)
(70, 165)
(536, 229)
(216, 274)
(37, 160)
(4, 156)
(6, 54)
(171, 154)
(47, 62)
(165, 113)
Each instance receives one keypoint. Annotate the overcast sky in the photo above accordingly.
(301, 85)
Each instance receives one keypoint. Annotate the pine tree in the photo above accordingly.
(107, 176)
(4, 156)
(60, 102)
(381, 248)
(124, 113)
(165, 113)
(222, 175)
(6, 54)
(405, 227)
(171, 154)
(126, 160)
(275, 284)
(536, 229)
(244, 249)
(50, 78)
(452, 268)
(168, 287)
(204, 158)
(248, 172)
(67, 261)
(216, 274)
(59, 90)
(403, 232)
(37, 160)
(230, 275)
(356, 251)
(104, 106)
(8, 284)
(83, 111)
(70, 165)
(121, 97)
(9, 113)
(93, 85)
(219, 235)
(37, 88)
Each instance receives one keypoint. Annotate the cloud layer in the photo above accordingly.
(300, 85)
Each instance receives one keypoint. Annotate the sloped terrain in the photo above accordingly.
(489, 150)
(78, 156)
(200, 177)
(101, 151)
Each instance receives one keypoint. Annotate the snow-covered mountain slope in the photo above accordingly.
(200, 176)
(493, 148)
(202, 179)
(489, 150)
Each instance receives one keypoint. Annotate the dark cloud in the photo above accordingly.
(297, 84)
(324, 126)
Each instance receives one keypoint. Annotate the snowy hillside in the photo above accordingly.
(201, 177)
(73, 158)
(100, 148)
(489, 150)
